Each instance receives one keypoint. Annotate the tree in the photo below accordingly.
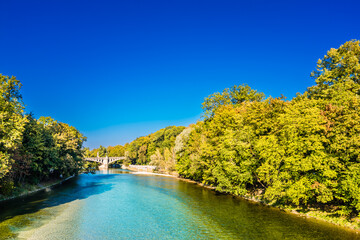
(189, 160)
(157, 159)
(339, 66)
(337, 89)
(181, 139)
(33, 149)
(102, 151)
(235, 95)
(11, 120)
(116, 151)
(69, 141)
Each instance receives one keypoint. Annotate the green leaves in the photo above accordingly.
(339, 66)
(11, 120)
(235, 95)
(33, 150)
(303, 152)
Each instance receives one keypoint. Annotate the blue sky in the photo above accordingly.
(117, 70)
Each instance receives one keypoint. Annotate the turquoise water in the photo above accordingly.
(119, 205)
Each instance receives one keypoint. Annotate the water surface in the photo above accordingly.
(118, 205)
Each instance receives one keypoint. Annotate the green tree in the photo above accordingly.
(235, 95)
(11, 120)
(116, 151)
(189, 159)
(339, 66)
(69, 141)
(102, 151)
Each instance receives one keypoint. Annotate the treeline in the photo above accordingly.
(117, 151)
(155, 149)
(303, 152)
(33, 150)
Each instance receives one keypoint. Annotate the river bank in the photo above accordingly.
(31, 189)
(329, 217)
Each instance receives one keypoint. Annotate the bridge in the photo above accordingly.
(105, 161)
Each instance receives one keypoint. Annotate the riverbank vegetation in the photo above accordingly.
(33, 150)
(154, 149)
(302, 153)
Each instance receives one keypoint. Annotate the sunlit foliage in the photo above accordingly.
(304, 152)
(33, 150)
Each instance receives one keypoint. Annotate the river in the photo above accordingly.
(117, 204)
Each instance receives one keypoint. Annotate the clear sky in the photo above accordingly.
(117, 70)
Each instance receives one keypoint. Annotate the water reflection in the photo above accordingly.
(237, 218)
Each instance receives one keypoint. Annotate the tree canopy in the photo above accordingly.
(303, 152)
(33, 150)
(235, 95)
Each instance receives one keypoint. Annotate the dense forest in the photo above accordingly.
(33, 150)
(303, 152)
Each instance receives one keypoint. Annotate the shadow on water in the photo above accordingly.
(38, 208)
(77, 188)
